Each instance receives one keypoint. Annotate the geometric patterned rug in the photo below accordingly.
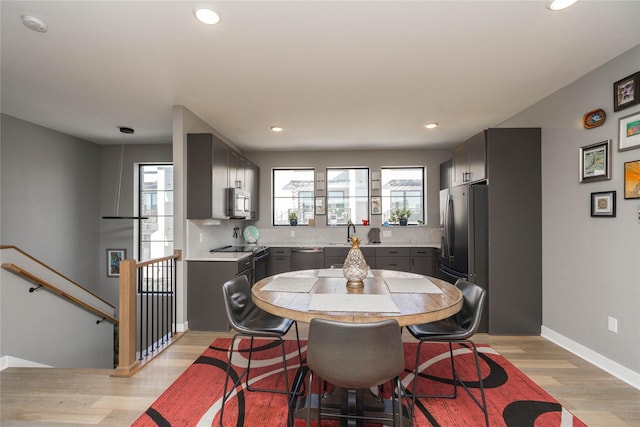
(513, 400)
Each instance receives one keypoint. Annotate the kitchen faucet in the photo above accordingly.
(349, 230)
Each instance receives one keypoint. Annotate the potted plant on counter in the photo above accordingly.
(400, 215)
(293, 218)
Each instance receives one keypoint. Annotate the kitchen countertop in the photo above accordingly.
(237, 256)
(220, 256)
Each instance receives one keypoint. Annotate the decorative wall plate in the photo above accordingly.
(594, 118)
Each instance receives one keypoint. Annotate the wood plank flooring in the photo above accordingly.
(91, 397)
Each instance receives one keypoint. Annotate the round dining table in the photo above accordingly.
(409, 298)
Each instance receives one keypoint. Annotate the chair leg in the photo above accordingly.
(482, 405)
(454, 394)
(226, 379)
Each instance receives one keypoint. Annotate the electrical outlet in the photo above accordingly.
(612, 324)
(293, 233)
(386, 233)
(201, 237)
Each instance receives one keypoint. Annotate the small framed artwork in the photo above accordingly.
(632, 180)
(376, 205)
(629, 132)
(603, 203)
(595, 162)
(114, 256)
(320, 210)
(626, 92)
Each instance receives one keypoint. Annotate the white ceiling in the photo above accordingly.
(334, 74)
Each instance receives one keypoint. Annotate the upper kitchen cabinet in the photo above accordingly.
(207, 176)
(252, 178)
(469, 161)
(212, 167)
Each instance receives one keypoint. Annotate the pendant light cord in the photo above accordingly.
(116, 205)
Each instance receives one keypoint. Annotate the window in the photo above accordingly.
(403, 188)
(293, 191)
(155, 234)
(347, 195)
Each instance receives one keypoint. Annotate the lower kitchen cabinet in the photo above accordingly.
(279, 261)
(397, 259)
(336, 255)
(205, 303)
(423, 261)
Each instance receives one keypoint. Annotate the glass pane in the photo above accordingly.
(293, 191)
(403, 188)
(155, 237)
(347, 195)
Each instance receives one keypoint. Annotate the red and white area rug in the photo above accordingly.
(194, 399)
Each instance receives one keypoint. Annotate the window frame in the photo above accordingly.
(306, 202)
(386, 199)
(365, 199)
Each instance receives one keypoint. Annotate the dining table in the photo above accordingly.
(410, 298)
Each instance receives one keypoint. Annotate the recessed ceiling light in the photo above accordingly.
(560, 4)
(207, 16)
(277, 128)
(35, 24)
(431, 125)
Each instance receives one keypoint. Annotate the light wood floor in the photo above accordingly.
(57, 397)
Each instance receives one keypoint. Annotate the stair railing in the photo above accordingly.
(147, 307)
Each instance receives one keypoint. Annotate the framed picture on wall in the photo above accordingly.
(320, 210)
(629, 132)
(376, 205)
(632, 180)
(603, 203)
(595, 161)
(114, 256)
(626, 92)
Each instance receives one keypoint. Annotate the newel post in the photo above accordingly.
(127, 362)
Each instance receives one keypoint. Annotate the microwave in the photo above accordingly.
(238, 203)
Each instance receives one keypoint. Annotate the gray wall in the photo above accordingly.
(591, 266)
(50, 187)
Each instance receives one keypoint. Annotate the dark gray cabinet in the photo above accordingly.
(469, 161)
(336, 255)
(423, 261)
(212, 167)
(514, 252)
(207, 176)
(279, 260)
(252, 180)
(205, 303)
(398, 259)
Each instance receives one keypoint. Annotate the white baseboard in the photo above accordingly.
(181, 327)
(625, 374)
(14, 362)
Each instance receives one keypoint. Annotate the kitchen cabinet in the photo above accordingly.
(207, 176)
(469, 161)
(337, 255)
(279, 260)
(205, 303)
(212, 167)
(423, 261)
(252, 179)
(398, 259)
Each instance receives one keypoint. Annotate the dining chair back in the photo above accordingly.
(248, 320)
(458, 328)
(356, 356)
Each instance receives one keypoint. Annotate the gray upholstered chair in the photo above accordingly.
(458, 328)
(249, 321)
(356, 356)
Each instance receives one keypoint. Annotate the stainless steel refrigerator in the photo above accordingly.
(464, 237)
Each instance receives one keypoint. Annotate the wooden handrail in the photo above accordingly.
(39, 281)
(56, 272)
